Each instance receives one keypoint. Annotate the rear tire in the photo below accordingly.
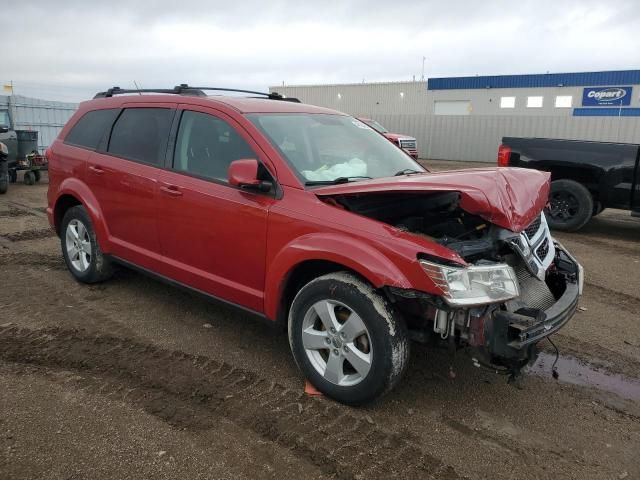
(347, 339)
(4, 186)
(80, 248)
(37, 175)
(571, 206)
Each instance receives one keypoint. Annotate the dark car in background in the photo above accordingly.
(586, 177)
(405, 142)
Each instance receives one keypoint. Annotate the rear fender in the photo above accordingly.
(79, 190)
(344, 250)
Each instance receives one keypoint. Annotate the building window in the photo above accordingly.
(507, 102)
(534, 102)
(452, 107)
(564, 101)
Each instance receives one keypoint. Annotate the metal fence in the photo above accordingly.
(44, 116)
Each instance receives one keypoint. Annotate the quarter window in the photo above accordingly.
(90, 129)
(141, 134)
(206, 146)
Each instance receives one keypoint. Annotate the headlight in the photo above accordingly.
(474, 285)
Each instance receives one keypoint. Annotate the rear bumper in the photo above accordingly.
(512, 336)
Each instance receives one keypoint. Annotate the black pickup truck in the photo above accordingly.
(586, 177)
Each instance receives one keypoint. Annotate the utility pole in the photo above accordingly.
(423, 60)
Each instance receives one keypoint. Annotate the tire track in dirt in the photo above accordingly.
(13, 212)
(33, 259)
(29, 235)
(613, 298)
(606, 245)
(61, 306)
(192, 392)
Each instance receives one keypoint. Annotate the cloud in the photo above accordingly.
(80, 47)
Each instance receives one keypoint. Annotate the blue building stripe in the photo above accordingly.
(606, 112)
(586, 79)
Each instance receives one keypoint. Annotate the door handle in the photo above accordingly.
(96, 170)
(171, 190)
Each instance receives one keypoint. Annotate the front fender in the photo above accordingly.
(345, 250)
(79, 190)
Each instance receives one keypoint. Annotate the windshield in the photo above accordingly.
(332, 148)
(375, 125)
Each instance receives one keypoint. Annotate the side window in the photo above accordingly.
(142, 134)
(206, 145)
(90, 129)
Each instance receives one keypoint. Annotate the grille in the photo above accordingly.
(543, 249)
(532, 229)
(533, 292)
(408, 144)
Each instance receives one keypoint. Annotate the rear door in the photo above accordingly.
(123, 175)
(213, 235)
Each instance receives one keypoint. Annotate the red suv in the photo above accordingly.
(310, 219)
(407, 143)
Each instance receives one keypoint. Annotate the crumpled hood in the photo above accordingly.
(508, 197)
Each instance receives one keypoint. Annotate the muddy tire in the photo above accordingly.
(80, 248)
(347, 339)
(37, 175)
(4, 186)
(570, 206)
(29, 178)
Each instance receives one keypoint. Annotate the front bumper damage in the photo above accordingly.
(510, 337)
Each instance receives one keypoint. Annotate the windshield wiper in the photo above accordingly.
(336, 181)
(407, 171)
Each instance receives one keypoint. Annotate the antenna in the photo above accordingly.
(137, 87)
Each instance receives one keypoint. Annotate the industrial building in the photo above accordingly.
(464, 118)
(44, 116)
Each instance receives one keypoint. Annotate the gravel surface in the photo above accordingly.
(135, 379)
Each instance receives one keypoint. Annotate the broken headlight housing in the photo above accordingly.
(474, 285)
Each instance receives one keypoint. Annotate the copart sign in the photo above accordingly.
(600, 96)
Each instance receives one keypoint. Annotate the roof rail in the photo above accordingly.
(184, 89)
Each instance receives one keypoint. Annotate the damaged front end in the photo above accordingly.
(516, 287)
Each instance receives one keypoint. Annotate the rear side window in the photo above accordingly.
(90, 129)
(141, 134)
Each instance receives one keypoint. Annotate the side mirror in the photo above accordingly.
(4, 128)
(244, 174)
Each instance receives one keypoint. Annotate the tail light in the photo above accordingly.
(504, 155)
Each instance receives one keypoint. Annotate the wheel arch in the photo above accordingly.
(72, 193)
(308, 258)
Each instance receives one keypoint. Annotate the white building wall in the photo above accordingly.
(408, 107)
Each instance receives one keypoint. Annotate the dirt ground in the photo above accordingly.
(134, 379)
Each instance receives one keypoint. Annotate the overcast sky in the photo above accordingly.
(69, 49)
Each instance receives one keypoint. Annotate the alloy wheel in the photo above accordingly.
(337, 343)
(78, 245)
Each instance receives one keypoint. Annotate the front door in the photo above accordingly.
(213, 235)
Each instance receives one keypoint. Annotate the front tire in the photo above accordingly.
(80, 248)
(347, 339)
(570, 206)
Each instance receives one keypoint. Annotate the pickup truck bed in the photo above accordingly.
(587, 177)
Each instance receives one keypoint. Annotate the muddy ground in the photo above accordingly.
(134, 379)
